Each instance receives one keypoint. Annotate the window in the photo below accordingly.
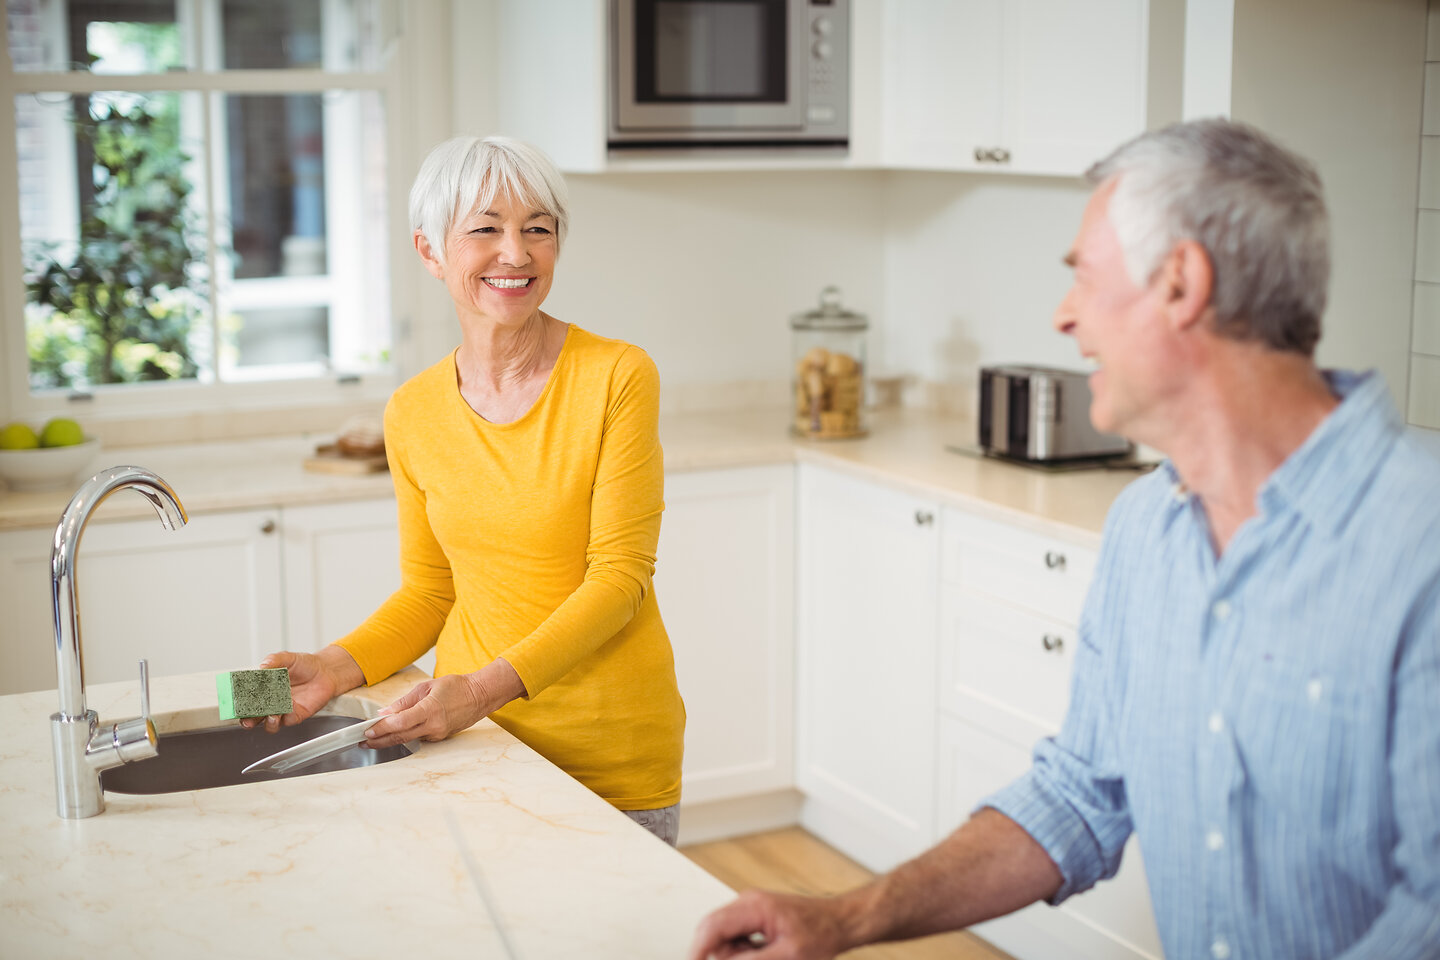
(202, 199)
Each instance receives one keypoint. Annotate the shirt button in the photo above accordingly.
(1220, 949)
(1180, 494)
(1217, 722)
(1214, 840)
(1221, 609)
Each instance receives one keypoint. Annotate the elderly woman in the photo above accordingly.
(529, 482)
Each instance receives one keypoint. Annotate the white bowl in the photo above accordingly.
(48, 468)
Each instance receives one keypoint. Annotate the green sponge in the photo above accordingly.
(254, 693)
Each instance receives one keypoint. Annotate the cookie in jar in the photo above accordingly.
(829, 373)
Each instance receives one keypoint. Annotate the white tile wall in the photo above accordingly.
(1431, 124)
(1425, 334)
(1424, 399)
(1425, 391)
(1427, 247)
(1430, 171)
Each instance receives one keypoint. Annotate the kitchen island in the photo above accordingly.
(351, 863)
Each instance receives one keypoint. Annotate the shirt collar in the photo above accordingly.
(1326, 477)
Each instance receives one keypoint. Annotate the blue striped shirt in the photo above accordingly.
(1267, 723)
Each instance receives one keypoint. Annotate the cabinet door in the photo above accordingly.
(1013, 662)
(204, 597)
(1112, 920)
(1021, 86)
(1075, 80)
(868, 573)
(342, 560)
(942, 75)
(724, 578)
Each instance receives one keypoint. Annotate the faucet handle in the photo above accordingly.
(145, 689)
(128, 740)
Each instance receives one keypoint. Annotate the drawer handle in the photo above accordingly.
(923, 518)
(268, 526)
(1052, 643)
(1054, 560)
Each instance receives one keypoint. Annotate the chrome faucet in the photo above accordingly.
(82, 747)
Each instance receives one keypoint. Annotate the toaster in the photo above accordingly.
(1040, 414)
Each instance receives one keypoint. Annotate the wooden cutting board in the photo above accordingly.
(329, 459)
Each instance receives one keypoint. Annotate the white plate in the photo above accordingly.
(312, 750)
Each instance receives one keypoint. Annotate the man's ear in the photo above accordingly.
(1188, 281)
(427, 255)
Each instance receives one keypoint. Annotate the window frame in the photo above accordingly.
(170, 398)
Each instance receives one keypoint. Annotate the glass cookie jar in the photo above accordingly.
(829, 347)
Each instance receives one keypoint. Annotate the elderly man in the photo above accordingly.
(1257, 691)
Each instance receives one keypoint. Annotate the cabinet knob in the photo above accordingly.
(1052, 643)
(1054, 560)
(1000, 155)
(923, 518)
(981, 155)
(268, 526)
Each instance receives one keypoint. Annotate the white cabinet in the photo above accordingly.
(217, 594)
(867, 580)
(725, 581)
(204, 597)
(1023, 86)
(1010, 601)
(342, 560)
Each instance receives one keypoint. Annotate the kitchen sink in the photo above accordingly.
(198, 759)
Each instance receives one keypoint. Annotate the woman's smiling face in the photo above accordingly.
(499, 260)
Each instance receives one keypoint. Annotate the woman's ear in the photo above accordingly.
(1188, 276)
(427, 255)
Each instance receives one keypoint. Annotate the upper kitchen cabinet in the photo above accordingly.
(549, 62)
(1024, 86)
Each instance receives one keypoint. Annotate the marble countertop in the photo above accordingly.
(352, 863)
(905, 448)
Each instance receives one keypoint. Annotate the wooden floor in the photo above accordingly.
(793, 861)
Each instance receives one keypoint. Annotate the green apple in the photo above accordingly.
(18, 436)
(61, 432)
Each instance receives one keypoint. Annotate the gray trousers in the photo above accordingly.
(664, 822)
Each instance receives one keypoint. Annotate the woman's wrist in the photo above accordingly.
(495, 685)
(337, 664)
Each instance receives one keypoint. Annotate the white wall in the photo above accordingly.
(1340, 81)
(703, 270)
(973, 275)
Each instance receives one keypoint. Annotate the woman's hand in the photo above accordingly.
(766, 925)
(315, 680)
(435, 709)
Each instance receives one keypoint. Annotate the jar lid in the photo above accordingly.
(830, 315)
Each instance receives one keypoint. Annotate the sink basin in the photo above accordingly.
(198, 759)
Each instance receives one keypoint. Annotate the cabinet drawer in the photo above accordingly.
(1006, 657)
(1045, 574)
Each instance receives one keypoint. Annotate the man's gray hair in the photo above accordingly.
(1255, 207)
(467, 173)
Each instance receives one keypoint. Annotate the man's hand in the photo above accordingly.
(988, 867)
(773, 926)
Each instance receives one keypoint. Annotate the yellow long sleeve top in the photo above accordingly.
(535, 541)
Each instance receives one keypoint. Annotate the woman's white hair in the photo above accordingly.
(468, 173)
(1256, 208)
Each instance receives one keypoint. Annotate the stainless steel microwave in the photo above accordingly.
(762, 73)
